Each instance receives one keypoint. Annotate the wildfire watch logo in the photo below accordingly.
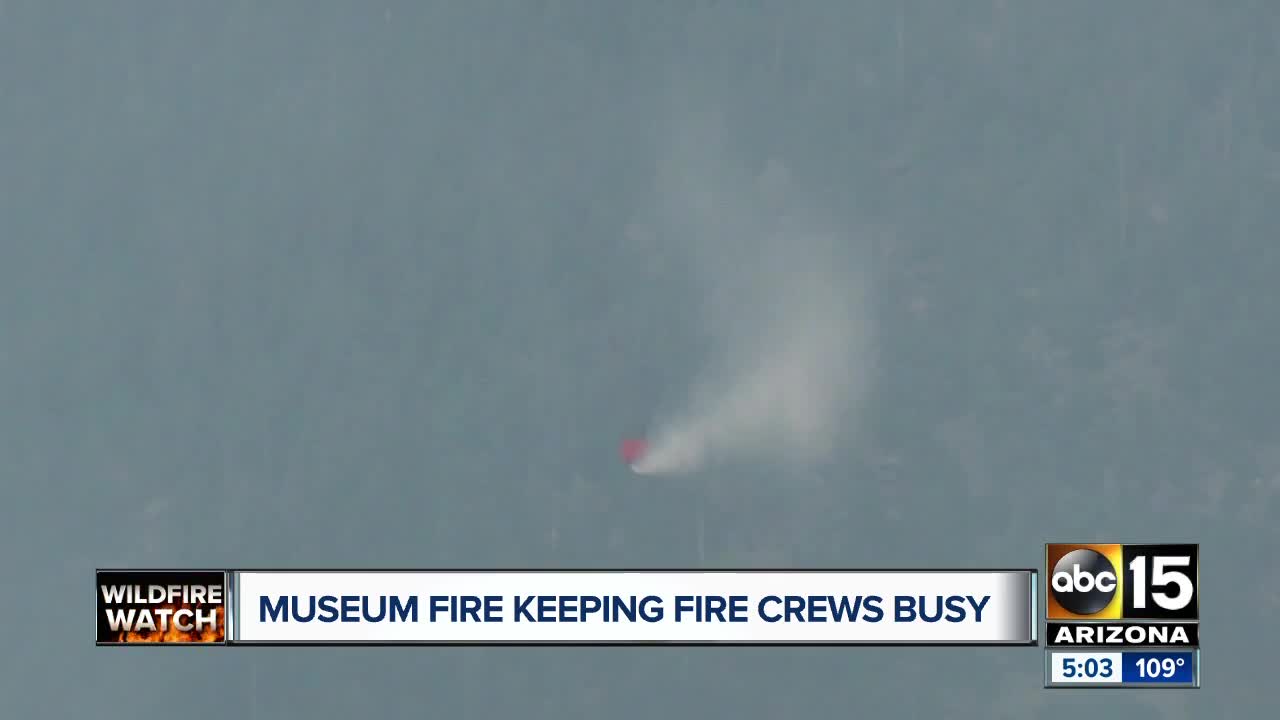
(1123, 582)
(161, 607)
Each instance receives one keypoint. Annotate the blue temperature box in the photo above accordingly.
(1129, 668)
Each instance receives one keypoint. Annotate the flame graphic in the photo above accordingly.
(174, 635)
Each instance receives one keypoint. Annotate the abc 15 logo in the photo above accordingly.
(1123, 582)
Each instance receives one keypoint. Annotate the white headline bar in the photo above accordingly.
(632, 607)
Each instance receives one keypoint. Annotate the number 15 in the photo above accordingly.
(1161, 575)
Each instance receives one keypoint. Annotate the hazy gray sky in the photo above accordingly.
(363, 283)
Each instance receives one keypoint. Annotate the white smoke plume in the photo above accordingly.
(786, 313)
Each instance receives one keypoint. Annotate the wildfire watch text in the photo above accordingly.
(152, 608)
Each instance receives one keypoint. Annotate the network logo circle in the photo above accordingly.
(1084, 582)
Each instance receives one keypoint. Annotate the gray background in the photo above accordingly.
(352, 284)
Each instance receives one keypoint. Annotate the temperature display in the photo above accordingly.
(1066, 668)
(1159, 667)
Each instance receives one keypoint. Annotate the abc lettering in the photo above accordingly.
(1083, 581)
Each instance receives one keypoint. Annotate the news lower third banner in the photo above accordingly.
(568, 607)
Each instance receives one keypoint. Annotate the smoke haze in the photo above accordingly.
(784, 310)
